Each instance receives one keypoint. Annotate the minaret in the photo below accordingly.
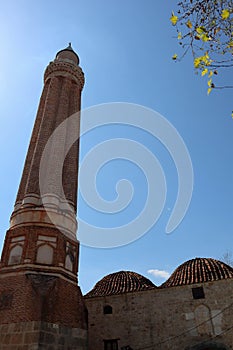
(41, 305)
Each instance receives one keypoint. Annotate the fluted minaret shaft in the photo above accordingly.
(61, 98)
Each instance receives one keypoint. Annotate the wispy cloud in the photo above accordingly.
(159, 273)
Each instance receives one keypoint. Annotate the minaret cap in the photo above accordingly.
(68, 54)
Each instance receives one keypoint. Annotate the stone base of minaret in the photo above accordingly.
(41, 304)
(42, 336)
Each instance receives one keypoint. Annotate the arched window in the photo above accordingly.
(107, 310)
(69, 263)
(44, 254)
(203, 320)
(15, 255)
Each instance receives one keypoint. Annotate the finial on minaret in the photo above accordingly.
(62, 54)
(69, 47)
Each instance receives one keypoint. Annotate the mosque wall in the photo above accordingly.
(164, 318)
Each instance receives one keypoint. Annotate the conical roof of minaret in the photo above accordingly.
(68, 53)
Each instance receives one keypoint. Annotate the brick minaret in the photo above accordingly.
(41, 305)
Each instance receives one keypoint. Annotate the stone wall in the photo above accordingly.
(164, 318)
(41, 336)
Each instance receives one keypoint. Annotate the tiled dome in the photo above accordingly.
(120, 282)
(199, 270)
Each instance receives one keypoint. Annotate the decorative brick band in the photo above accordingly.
(65, 222)
(27, 269)
(63, 68)
(51, 200)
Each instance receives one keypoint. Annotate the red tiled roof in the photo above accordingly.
(120, 282)
(199, 270)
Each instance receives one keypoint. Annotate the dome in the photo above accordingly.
(120, 282)
(68, 54)
(199, 270)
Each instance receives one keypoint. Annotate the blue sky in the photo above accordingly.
(125, 50)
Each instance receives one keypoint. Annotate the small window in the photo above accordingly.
(198, 293)
(107, 310)
(111, 344)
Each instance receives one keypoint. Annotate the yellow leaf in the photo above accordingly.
(179, 36)
(200, 30)
(206, 59)
(209, 82)
(189, 24)
(174, 57)
(205, 37)
(209, 90)
(204, 72)
(197, 62)
(210, 74)
(225, 14)
(173, 19)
